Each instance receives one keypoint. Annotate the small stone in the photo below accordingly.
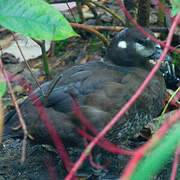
(14, 68)
(106, 18)
(88, 15)
(153, 18)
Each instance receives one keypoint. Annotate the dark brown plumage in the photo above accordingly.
(101, 88)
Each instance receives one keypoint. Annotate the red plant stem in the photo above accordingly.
(95, 165)
(141, 151)
(175, 164)
(91, 157)
(51, 169)
(104, 143)
(141, 29)
(52, 132)
(112, 122)
(77, 109)
(108, 146)
(125, 107)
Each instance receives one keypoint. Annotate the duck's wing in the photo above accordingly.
(101, 91)
(80, 81)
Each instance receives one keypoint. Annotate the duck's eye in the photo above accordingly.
(140, 41)
(122, 44)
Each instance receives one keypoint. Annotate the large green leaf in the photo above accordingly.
(34, 18)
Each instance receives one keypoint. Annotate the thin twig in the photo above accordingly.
(70, 10)
(51, 87)
(23, 125)
(108, 10)
(142, 150)
(165, 108)
(27, 64)
(89, 29)
(119, 28)
(47, 122)
(107, 28)
(53, 84)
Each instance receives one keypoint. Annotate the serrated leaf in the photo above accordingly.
(34, 18)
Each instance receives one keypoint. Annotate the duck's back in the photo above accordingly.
(101, 89)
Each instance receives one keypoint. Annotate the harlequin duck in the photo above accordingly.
(101, 88)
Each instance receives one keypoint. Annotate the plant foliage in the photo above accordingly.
(159, 156)
(175, 7)
(34, 18)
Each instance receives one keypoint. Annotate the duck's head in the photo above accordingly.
(130, 48)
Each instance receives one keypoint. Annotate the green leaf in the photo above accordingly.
(2, 86)
(34, 18)
(159, 155)
(175, 7)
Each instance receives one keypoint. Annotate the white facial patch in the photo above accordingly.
(142, 50)
(139, 47)
(122, 44)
